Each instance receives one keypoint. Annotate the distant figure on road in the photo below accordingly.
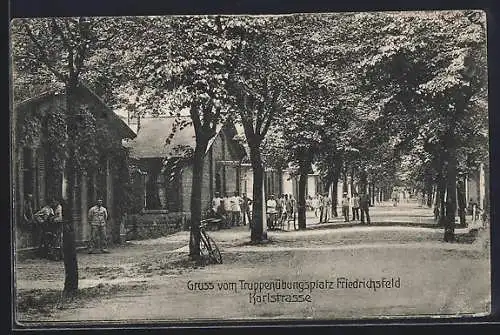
(419, 199)
(345, 207)
(436, 210)
(355, 207)
(364, 206)
(97, 216)
(470, 206)
(394, 197)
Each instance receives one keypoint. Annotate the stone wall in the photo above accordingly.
(155, 223)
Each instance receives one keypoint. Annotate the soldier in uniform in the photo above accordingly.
(364, 206)
(97, 216)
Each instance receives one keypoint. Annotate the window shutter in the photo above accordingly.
(41, 176)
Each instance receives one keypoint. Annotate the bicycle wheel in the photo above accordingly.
(55, 254)
(205, 247)
(214, 252)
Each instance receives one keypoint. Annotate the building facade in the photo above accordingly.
(33, 173)
(165, 174)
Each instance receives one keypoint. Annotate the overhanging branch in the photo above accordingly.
(43, 56)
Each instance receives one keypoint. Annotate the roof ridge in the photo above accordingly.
(165, 116)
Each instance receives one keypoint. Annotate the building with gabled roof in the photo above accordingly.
(32, 173)
(163, 158)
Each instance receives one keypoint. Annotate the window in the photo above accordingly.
(101, 182)
(28, 171)
(91, 189)
(218, 183)
(152, 197)
(30, 175)
(172, 187)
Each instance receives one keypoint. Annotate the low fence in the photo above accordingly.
(155, 223)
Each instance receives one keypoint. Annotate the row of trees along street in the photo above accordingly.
(355, 93)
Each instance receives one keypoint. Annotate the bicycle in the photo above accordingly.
(52, 241)
(208, 247)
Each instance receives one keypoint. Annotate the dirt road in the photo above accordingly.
(420, 266)
(349, 266)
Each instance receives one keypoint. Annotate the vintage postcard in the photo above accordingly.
(215, 168)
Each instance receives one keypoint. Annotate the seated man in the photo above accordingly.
(215, 208)
(43, 219)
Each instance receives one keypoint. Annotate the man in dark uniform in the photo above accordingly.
(364, 206)
(245, 208)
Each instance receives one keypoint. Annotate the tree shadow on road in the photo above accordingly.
(378, 224)
(38, 304)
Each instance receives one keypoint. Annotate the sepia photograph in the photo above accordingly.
(180, 169)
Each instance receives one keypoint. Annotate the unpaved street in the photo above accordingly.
(435, 277)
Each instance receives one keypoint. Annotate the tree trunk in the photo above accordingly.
(194, 240)
(429, 198)
(69, 243)
(344, 181)
(440, 201)
(258, 217)
(335, 182)
(351, 181)
(451, 195)
(462, 201)
(301, 204)
(363, 183)
(428, 192)
(486, 205)
(334, 197)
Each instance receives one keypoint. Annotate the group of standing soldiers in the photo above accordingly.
(233, 210)
(48, 222)
(280, 210)
(360, 204)
(321, 205)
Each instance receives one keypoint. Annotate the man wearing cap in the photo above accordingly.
(98, 215)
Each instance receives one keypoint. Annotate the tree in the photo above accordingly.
(322, 99)
(430, 68)
(55, 52)
(256, 82)
(39, 47)
(185, 63)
